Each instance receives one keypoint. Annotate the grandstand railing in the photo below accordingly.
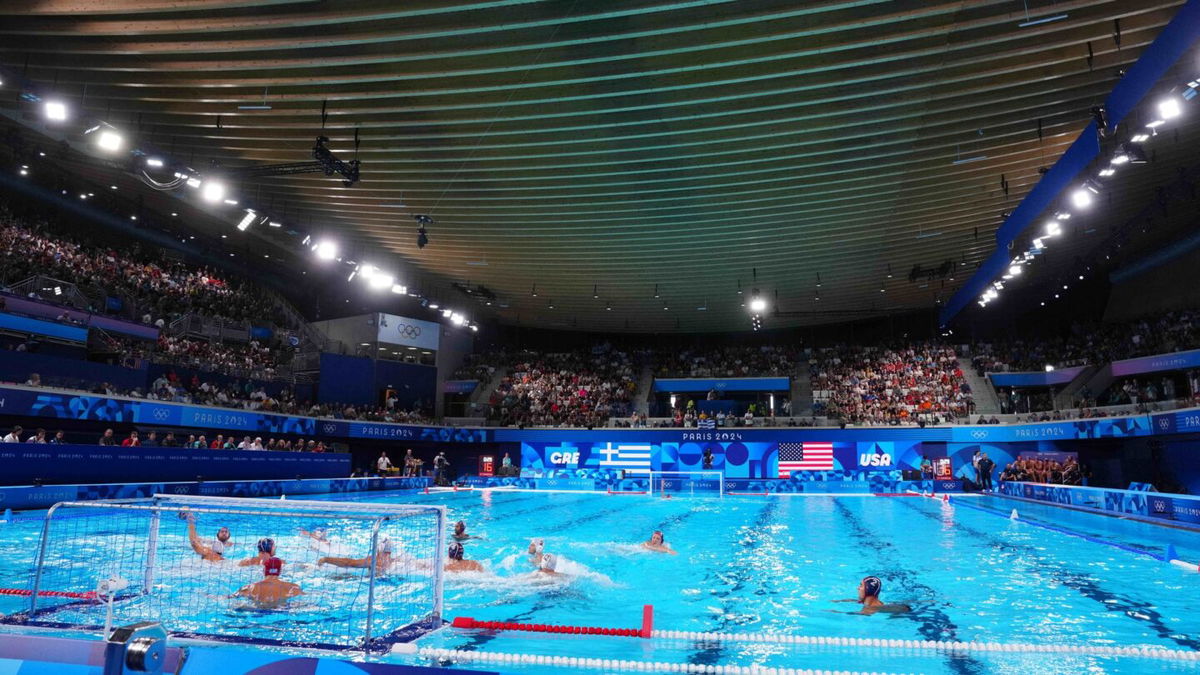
(61, 292)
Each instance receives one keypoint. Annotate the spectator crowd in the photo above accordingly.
(916, 383)
(580, 388)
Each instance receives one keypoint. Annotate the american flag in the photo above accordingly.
(804, 457)
(634, 458)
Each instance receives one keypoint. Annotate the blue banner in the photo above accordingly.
(741, 459)
(1052, 378)
(25, 463)
(459, 386)
(679, 385)
(29, 402)
(1157, 363)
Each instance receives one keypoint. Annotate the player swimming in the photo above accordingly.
(657, 544)
(868, 595)
(270, 592)
(212, 551)
(383, 558)
(457, 563)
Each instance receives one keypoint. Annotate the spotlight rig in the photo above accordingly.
(422, 233)
(323, 161)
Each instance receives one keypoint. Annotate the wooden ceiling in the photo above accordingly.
(612, 148)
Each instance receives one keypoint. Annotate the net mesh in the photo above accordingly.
(164, 550)
(691, 483)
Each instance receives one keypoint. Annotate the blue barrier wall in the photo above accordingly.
(54, 329)
(686, 384)
(1035, 379)
(16, 367)
(415, 385)
(25, 462)
(1178, 508)
(347, 379)
(25, 497)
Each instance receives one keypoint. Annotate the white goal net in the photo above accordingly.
(302, 573)
(690, 483)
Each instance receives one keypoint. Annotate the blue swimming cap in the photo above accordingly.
(872, 586)
(456, 551)
(266, 545)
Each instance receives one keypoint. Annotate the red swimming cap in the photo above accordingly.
(272, 567)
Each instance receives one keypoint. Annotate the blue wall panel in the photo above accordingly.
(347, 379)
(16, 367)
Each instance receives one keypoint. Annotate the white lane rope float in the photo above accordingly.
(465, 656)
(933, 645)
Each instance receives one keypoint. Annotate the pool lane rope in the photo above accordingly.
(931, 645)
(647, 631)
(465, 656)
(25, 592)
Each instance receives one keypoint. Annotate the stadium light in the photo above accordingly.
(1053, 229)
(212, 191)
(109, 140)
(154, 162)
(1081, 198)
(399, 289)
(1049, 368)
(326, 250)
(1014, 270)
(446, 313)
(758, 305)
(380, 281)
(457, 319)
(1168, 108)
(244, 224)
(56, 111)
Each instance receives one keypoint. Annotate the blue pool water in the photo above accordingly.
(776, 565)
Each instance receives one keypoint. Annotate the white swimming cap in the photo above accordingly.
(218, 546)
(549, 562)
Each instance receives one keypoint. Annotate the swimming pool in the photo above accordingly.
(776, 564)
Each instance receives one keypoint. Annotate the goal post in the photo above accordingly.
(691, 483)
(367, 574)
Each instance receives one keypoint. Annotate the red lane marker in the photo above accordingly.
(644, 632)
(24, 592)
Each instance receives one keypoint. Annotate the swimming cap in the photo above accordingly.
(456, 551)
(266, 545)
(384, 545)
(218, 547)
(272, 567)
(872, 586)
(548, 562)
(460, 524)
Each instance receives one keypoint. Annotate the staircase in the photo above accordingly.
(641, 395)
(981, 389)
(477, 402)
(801, 393)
